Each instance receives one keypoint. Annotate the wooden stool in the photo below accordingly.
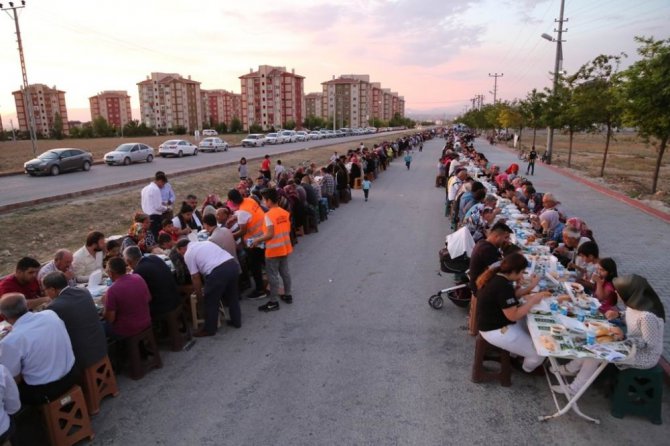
(357, 183)
(99, 381)
(67, 418)
(138, 368)
(639, 392)
(485, 352)
(174, 319)
(472, 317)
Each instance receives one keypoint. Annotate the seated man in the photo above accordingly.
(24, 281)
(566, 252)
(158, 277)
(89, 257)
(38, 349)
(126, 302)
(76, 309)
(62, 262)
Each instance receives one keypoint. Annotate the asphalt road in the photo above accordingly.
(359, 357)
(23, 188)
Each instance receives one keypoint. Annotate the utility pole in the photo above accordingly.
(27, 99)
(495, 77)
(558, 66)
(474, 101)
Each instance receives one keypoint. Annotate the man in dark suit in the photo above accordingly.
(75, 307)
(165, 295)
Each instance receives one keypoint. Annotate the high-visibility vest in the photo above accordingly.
(280, 243)
(255, 223)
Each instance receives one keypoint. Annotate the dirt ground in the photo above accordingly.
(39, 231)
(14, 153)
(630, 163)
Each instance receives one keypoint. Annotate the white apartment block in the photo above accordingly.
(167, 100)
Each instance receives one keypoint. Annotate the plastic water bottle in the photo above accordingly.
(594, 309)
(580, 315)
(108, 282)
(590, 336)
(553, 306)
(564, 310)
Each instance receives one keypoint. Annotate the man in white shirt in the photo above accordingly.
(206, 260)
(9, 403)
(152, 202)
(62, 262)
(89, 257)
(38, 348)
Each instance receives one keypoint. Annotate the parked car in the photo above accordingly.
(315, 135)
(271, 138)
(254, 140)
(213, 144)
(288, 135)
(55, 161)
(347, 131)
(178, 148)
(209, 132)
(131, 152)
(301, 136)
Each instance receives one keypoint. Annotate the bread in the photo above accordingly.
(604, 339)
(548, 343)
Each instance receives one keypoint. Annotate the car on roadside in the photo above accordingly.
(288, 135)
(301, 135)
(271, 138)
(130, 152)
(209, 132)
(178, 148)
(213, 144)
(315, 135)
(254, 140)
(55, 161)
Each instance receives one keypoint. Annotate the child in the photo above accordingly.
(408, 159)
(366, 187)
(243, 169)
(170, 230)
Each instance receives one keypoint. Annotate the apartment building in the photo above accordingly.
(221, 106)
(348, 99)
(46, 103)
(114, 106)
(271, 97)
(168, 100)
(314, 105)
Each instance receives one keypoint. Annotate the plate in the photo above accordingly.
(576, 287)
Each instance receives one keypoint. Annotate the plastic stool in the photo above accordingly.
(138, 368)
(67, 418)
(173, 319)
(99, 381)
(484, 352)
(639, 392)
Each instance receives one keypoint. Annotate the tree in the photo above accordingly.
(532, 108)
(221, 127)
(179, 130)
(314, 122)
(567, 108)
(601, 85)
(289, 125)
(57, 130)
(255, 128)
(510, 116)
(235, 125)
(101, 128)
(647, 93)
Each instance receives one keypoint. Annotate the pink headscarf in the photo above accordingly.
(578, 225)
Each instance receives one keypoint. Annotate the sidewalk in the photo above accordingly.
(637, 241)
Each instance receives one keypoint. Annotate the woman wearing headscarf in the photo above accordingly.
(644, 318)
(211, 204)
(512, 169)
(552, 228)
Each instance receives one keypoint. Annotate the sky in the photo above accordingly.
(438, 54)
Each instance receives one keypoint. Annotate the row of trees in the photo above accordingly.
(597, 97)
(317, 122)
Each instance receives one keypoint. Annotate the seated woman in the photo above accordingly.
(644, 317)
(552, 228)
(606, 272)
(184, 221)
(139, 234)
(499, 310)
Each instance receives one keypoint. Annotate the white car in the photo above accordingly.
(209, 132)
(213, 144)
(315, 135)
(254, 140)
(131, 152)
(301, 136)
(271, 138)
(178, 148)
(288, 135)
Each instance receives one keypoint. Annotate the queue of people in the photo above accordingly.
(497, 267)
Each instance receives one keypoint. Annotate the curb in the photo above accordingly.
(665, 216)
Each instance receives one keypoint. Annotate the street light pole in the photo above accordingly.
(558, 66)
(27, 99)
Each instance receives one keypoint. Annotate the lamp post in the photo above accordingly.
(558, 66)
(27, 99)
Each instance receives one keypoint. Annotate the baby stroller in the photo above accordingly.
(455, 258)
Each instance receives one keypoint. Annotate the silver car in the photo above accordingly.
(213, 144)
(131, 152)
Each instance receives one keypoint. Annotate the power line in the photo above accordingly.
(495, 77)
